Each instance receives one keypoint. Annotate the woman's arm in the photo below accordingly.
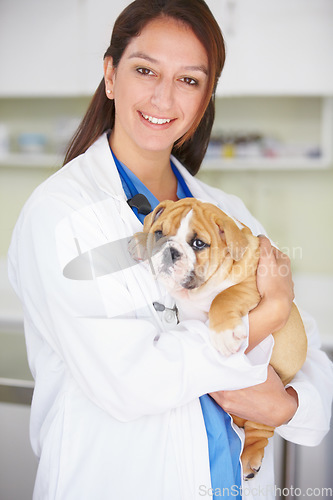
(302, 410)
(103, 332)
(267, 403)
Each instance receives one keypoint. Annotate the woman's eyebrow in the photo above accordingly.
(142, 55)
(201, 68)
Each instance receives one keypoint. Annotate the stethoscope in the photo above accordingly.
(138, 201)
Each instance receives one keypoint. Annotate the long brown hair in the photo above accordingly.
(100, 116)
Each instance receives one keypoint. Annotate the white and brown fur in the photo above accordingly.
(217, 281)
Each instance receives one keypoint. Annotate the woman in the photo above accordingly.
(121, 407)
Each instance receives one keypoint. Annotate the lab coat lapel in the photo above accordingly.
(105, 174)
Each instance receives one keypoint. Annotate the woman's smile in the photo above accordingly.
(156, 121)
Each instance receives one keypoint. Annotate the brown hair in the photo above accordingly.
(191, 148)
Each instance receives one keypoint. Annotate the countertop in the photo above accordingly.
(16, 382)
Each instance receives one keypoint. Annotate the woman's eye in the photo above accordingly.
(189, 81)
(145, 71)
(199, 244)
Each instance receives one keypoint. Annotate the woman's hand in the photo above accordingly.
(276, 289)
(268, 403)
(274, 279)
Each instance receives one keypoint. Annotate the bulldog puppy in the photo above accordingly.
(208, 263)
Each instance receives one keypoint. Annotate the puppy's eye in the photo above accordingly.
(158, 235)
(199, 244)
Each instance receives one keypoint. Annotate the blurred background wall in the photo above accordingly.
(271, 145)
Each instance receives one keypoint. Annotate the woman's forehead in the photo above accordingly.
(168, 39)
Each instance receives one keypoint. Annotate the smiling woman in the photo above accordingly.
(129, 399)
(157, 98)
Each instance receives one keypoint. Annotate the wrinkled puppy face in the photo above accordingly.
(185, 244)
(176, 254)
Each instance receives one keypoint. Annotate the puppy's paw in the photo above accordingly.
(137, 247)
(229, 341)
(251, 464)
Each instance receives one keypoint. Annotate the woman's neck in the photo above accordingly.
(152, 168)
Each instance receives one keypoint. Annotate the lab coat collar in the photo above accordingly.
(192, 183)
(105, 173)
(103, 168)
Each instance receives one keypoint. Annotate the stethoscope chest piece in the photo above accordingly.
(140, 202)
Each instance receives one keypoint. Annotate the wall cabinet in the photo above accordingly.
(278, 52)
(39, 47)
(274, 47)
(97, 20)
(52, 48)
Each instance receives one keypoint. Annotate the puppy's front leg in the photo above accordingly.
(226, 312)
(256, 439)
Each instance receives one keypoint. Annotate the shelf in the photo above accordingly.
(293, 127)
(224, 164)
(31, 160)
(299, 121)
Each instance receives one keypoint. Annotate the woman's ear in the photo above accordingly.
(109, 72)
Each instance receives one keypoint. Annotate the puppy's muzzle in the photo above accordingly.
(191, 281)
(173, 254)
(170, 257)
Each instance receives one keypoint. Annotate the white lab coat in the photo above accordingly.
(115, 413)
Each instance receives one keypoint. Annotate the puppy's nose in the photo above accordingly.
(175, 254)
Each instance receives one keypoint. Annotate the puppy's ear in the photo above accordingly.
(154, 215)
(234, 238)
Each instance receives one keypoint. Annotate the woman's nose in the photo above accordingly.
(163, 94)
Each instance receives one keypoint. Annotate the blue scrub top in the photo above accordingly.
(223, 443)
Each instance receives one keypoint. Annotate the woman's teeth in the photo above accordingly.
(158, 121)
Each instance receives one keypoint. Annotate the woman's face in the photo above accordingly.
(158, 86)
